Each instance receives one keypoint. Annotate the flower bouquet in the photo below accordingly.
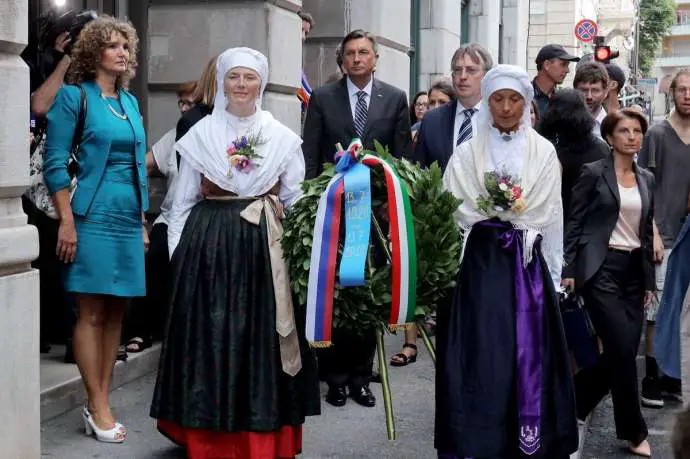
(504, 194)
(242, 153)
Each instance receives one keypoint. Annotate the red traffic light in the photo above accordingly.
(604, 54)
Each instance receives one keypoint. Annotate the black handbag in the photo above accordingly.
(579, 331)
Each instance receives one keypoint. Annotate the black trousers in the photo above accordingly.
(147, 314)
(350, 360)
(614, 299)
(57, 309)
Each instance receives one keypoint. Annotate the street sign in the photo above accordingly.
(649, 81)
(586, 30)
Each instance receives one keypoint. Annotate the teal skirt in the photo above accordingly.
(110, 242)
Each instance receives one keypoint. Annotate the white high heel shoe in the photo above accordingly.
(115, 435)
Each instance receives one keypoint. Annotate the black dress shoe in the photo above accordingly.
(363, 396)
(336, 396)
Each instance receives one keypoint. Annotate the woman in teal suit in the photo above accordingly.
(101, 237)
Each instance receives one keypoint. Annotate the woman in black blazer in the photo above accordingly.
(608, 259)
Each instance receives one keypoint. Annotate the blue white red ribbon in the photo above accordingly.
(326, 237)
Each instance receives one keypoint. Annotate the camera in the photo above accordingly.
(72, 22)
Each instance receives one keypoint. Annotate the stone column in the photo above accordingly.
(182, 36)
(440, 37)
(19, 334)
(485, 18)
(388, 20)
(515, 32)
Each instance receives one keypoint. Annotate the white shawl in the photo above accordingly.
(281, 162)
(541, 190)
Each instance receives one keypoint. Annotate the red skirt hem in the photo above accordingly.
(205, 444)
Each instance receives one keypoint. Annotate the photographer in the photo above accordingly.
(43, 90)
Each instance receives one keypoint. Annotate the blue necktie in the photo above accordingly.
(465, 132)
(360, 113)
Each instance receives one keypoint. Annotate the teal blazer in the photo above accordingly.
(95, 144)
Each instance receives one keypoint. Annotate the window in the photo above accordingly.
(682, 17)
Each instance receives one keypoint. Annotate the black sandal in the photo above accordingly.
(138, 344)
(121, 354)
(404, 359)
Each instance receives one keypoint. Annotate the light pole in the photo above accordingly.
(636, 62)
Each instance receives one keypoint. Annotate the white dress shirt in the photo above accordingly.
(596, 130)
(460, 117)
(352, 91)
(166, 160)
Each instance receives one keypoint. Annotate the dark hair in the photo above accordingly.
(476, 52)
(591, 72)
(444, 86)
(413, 113)
(306, 17)
(566, 118)
(612, 119)
(680, 73)
(188, 87)
(680, 439)
(339, 56)
(535, 109)
(616, 74)
(357, 34)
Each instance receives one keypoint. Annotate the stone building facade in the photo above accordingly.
(19, 378)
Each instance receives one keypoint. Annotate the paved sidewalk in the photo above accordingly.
(351, 432)
(600, 438)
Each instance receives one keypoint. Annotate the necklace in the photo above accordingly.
(237, 131)
(112, 110)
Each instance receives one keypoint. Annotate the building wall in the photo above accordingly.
(516, 28)
(19, 334)
(553, 21)
(440, 37)
(484, 22)
(181, 38)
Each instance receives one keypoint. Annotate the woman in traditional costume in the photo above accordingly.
(503, 384)
(236, 376)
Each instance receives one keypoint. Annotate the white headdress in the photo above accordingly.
(505, 77)
(239, 57)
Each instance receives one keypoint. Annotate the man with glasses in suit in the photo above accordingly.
(452, 124)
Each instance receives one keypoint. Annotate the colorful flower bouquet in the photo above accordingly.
(242, 153)
(504, 194)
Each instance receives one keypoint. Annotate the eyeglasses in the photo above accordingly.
(469, 71)
(421, 105)
(682, 90)
(185, 104)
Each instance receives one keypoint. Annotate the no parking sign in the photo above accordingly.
(586, 30)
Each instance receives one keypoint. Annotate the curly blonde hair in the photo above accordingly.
(92, 40)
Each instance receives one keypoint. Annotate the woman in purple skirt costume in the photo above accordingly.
(503, 384)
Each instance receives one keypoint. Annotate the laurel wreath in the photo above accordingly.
(437, 236)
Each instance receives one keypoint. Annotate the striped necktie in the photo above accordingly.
(465, 132)
(360, 113)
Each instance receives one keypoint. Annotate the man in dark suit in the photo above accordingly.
(451, 124)
(333, 118)
(357, 105)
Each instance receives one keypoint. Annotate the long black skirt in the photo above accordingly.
(476, 376)
(220, 367)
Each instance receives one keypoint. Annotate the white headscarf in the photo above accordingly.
(239, 57)
(505, 77)
(505, 150)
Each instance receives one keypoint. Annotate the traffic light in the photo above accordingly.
(604, 54)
